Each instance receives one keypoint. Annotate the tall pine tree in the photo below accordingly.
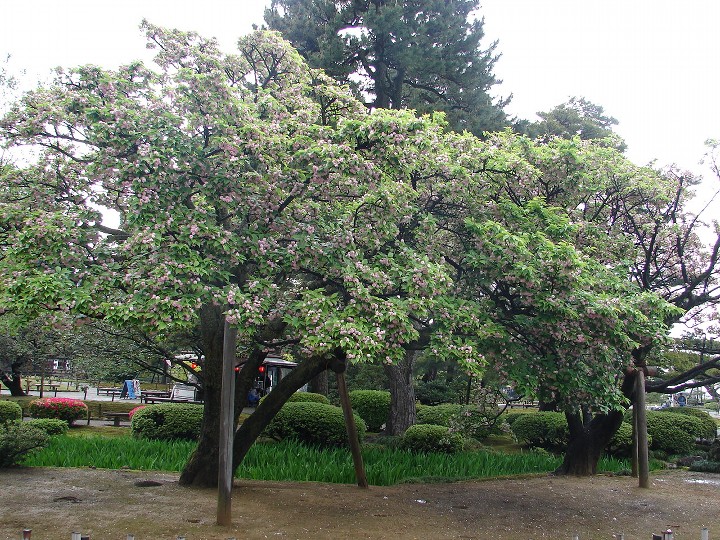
(417, 54)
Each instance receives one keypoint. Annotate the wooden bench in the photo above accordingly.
(116, 417)
(146, 396)
(110, 392)
(162, 399)
(50, 387)
(525, 404)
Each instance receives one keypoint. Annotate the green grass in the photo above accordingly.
(290, 461)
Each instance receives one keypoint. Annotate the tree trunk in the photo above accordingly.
(319, 384)
(253, 426)
(588, 439)
(202, 467)
(402, 394)
(14, 384)
(587, 442)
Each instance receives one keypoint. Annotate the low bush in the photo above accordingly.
(438, 415)
(705, 466)
(51, 426)
(709, 427)
(305, 397)
(511, 415)
(17, 440)
(546, 430)
(168, 421)
(373, 406)
(673, 434)
(61, 408)
(470, 420)
(10, 411)
(621, 445)
(431, 438)
(313, 423)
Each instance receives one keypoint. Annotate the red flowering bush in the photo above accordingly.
(61, 408)
(136, 409)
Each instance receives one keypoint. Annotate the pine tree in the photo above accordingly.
(417, 54)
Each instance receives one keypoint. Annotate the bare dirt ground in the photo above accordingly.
(109, 504)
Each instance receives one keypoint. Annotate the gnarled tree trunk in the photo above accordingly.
(319, 384)
(587, 442)
(589, 437)
(13, 383)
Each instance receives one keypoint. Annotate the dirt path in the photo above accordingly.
(110, 504)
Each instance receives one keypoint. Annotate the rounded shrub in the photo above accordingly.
(51, 426)
(61, 408)
(438, 415)
(709, 427)
(431, 438)
(546, 430)
(373, 406)
(10, 412)
(513, 414)
(309, 397)
(314, 423)
(168, 421)
(621, 445)
(672, 433)
(17, 439)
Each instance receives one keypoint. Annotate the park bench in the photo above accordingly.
(110, 392)
(161, 399)
(525, 404)
(50, 387)
(116, 416)
(146, 396)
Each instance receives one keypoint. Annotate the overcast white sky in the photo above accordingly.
(653, 64)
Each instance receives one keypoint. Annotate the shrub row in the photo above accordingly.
(668, 432)
(314, 423)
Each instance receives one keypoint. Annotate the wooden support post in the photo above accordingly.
(227, 427)
(642, 440)
(634, 443)
(351, 431)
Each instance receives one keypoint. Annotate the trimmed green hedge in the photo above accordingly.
(673, 433)
(308, 397)
(17, 439)
(168, 421)
(431, 438)
(510, 415)
(313, 423)
(51, 426)
(548, 430)
(709, 427)
(438, 415)
(373, 406)
(10, 412)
